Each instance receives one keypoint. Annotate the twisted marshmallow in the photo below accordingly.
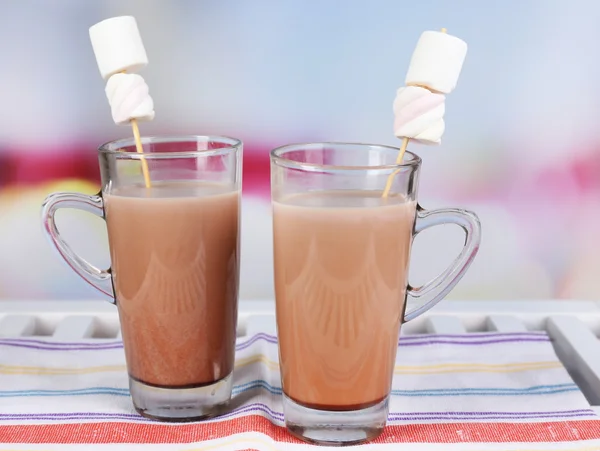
(129, 99)
(419, 114)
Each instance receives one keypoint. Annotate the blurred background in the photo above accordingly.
(521, 147)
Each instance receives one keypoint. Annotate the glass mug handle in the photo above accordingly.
(434, 291)
(96, 277)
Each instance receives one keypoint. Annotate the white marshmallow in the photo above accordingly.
(437, 61)
(118, 46)
(129, 98)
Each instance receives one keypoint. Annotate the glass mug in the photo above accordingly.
(174, 273)
(341, 258)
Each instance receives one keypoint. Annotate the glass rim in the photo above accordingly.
(277, 156)
(115, 147)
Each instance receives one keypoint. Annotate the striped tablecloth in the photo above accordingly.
(472, 392)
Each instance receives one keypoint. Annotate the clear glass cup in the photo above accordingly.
(341, 259)
(174, 274)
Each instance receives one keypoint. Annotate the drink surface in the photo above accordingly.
(341, 268)
(175, 265)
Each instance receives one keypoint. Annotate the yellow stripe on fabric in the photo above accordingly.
(35, 370)
(433, 369)
(475, 368)
(257, 359)
(399, 369)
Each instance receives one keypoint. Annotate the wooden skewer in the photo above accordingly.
(140, 149)
(390, 180)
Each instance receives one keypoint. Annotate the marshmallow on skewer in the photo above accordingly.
(436, 62)
(433, 71)
(419, 114)
(118, 48)
(129, 99)
(420, 106)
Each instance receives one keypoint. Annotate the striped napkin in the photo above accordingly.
(470, 392)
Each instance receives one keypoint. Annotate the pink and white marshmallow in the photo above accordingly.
(129, 98)
(419, 115)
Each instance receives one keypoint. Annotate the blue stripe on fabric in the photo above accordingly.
(261, 384)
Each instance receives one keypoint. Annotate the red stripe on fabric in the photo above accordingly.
(118, 432)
